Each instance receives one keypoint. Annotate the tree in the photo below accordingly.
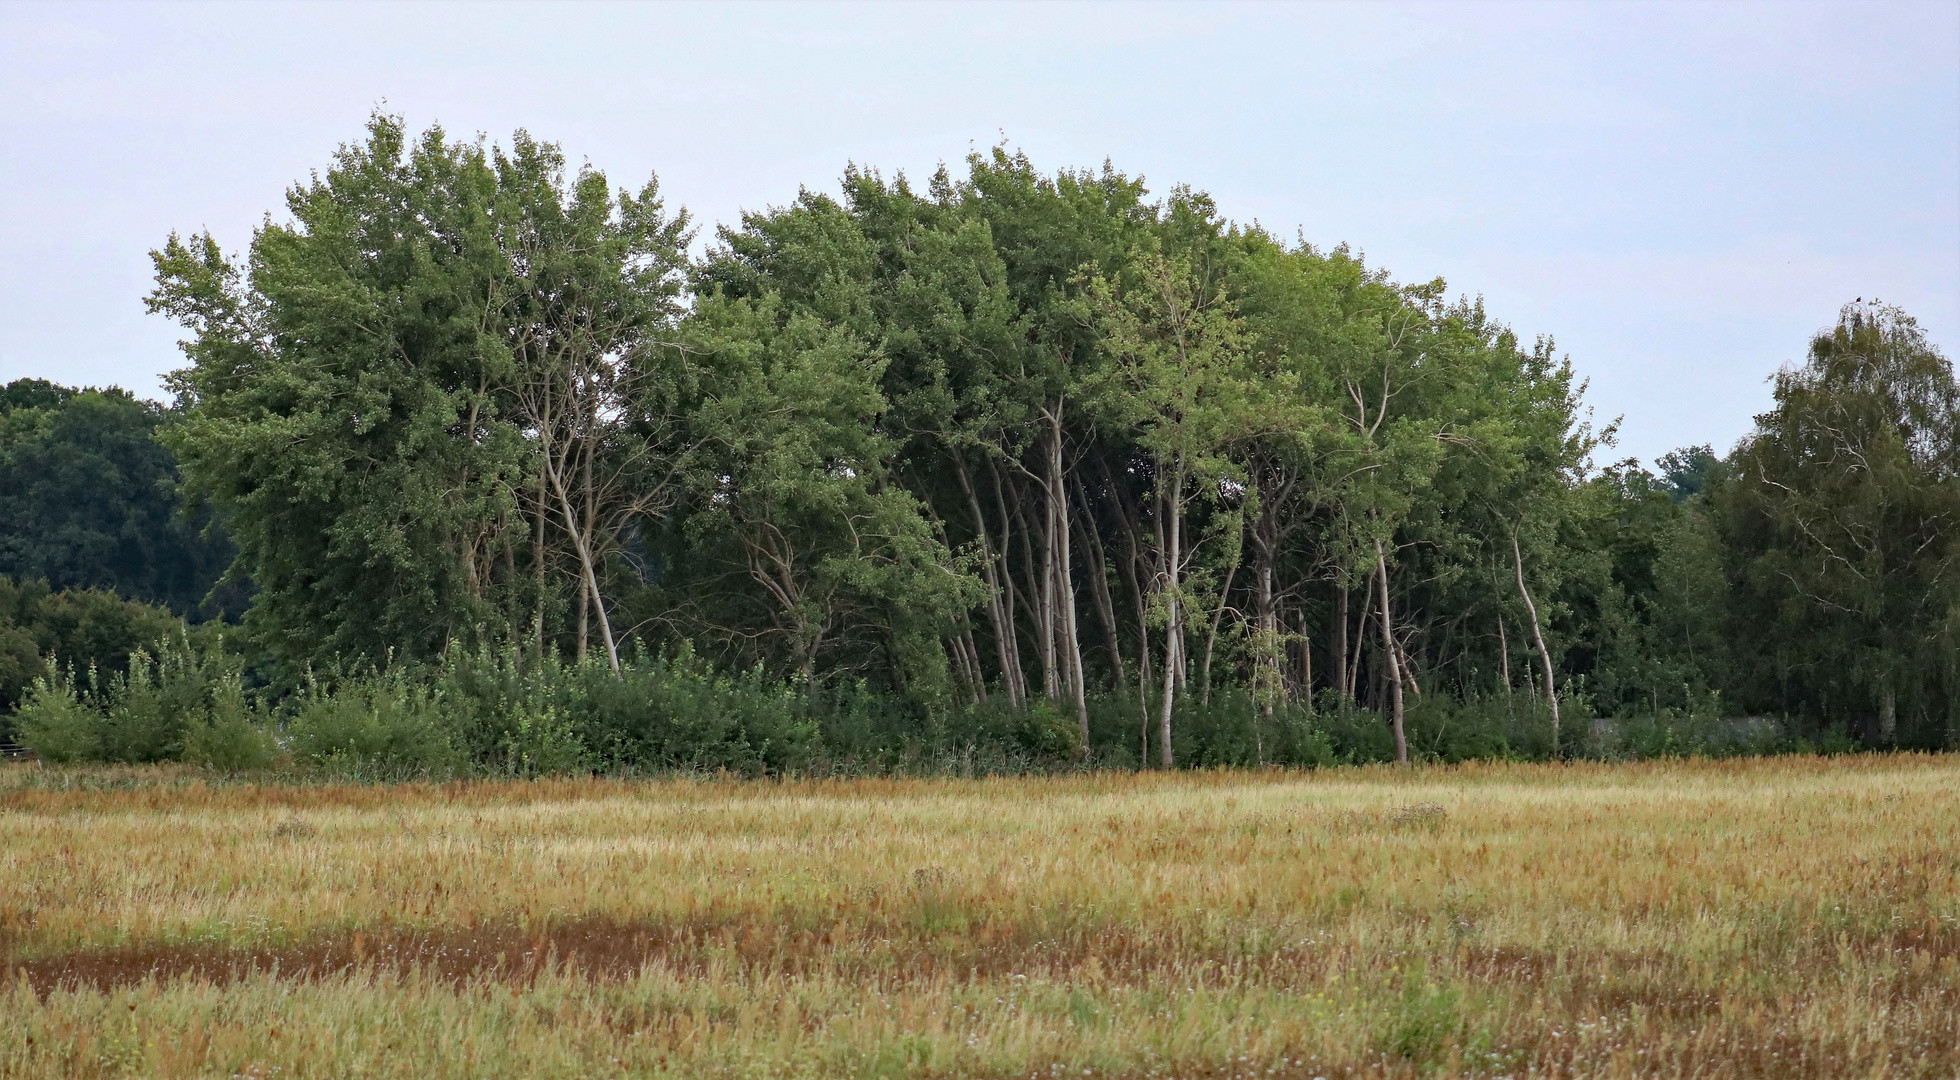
(1842, 519)
(1183, 381)
(442, 343)
(585, 312)
(88, 499)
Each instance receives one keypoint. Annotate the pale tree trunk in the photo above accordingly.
(591, 583)
(1271, 649)
(1132, 559)
(1408, 669)
(1043, 581)
(1391, 657)
(1538, 635)
(1211, 636)
(544, 515)
(992, 569)
(1098, 573)
(1034, 597)
(1341, 681)
(1888, 716)
(1353, 676)
(1174, 658)
(1064, 574)
(1015, 673)
(1306, 662)
(1503, 654)
(584, 619)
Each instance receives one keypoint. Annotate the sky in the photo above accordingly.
(1678, 194)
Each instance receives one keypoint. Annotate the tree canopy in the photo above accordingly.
(1023, 438)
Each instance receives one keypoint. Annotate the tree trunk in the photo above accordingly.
(1306, 662)
(544, 513)
(1099, 587)
(1538, 635)
(1017, 674)
(1064, 573)
(1390, 657)
(1174, 658)
(584, 619)
(1035, 597)
(991, 569)
(1888, 716)
(1503, 654)
(1353, 677)
(1211, 635)
(1408, 669)
(1272, 651)
(1341, 680)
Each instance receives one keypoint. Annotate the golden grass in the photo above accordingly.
(1786, 917)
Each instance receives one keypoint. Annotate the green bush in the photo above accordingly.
(379, 726)
(83, 627)
(56, 723)
(185, 702)
(231, 734)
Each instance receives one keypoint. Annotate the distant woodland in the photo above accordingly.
(491, 457)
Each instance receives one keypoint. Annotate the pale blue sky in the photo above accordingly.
(1680, 194)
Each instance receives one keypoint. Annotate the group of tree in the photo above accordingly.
(1022, 439)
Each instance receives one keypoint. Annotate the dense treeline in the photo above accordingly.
(1022, 453)
(88, 500)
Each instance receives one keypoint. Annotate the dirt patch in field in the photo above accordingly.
(885, 951)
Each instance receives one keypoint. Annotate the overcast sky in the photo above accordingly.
(1679, 194)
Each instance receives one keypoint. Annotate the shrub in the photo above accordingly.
(232, 734)
(379, 726)
(56, 723)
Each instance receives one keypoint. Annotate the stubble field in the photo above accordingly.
(1764, 918)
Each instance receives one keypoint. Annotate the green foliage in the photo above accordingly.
(88, 501)
(56, 723)
(184, 702)
(375, 726)
(1840, 529)
(1019, 466)
(86, 628)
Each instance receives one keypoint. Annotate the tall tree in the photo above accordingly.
(1842, 518)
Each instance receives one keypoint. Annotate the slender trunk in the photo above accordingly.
(1211, 635)
(1009, 593)
(1174, 658)
(1002, 620)
(974, 665)
(544, 512)
(1065, 572)
(1033, 597)
(1341, 680)
(1046, 592)
(592, 584)
(1306, 662)
(1408, 669)
(1390, 657)
(1538, 635)
(1092, 542)
(588, 570)
(513, 604)
(584, 619)
(1503, 654)
(1353, 676)
(1271, 648)
(590, 514)
(1132, 558)
(1888, 716)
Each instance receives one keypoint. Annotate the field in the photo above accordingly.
(1764, 918)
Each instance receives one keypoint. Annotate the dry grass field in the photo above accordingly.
(1761, 918)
